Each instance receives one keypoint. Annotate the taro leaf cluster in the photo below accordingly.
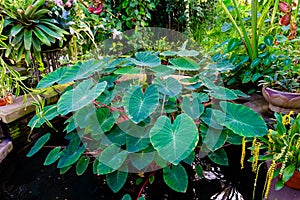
(144, 122)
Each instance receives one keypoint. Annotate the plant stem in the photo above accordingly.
(274, 11)
(242, 32)
(144, 185)
(254, 5)
(297, 10)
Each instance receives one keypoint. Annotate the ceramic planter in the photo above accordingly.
(282, 102)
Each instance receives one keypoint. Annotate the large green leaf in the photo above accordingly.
(162, 70)
(82, 165)
(106, 120)
(192, 107)
(213, 138)
(141, 159)
(52, 77)
(176, 178)
(80, 96)
(186, 64)
(38, 144)
(219, 157)
(145, 59)
(139, 106)
(170, 86)
(69, 156)
(83, 70)
(222, 93)
(111, 159)
(137, 142)
(174, 142)
(53, 156)
(242, 120)
(116, 180)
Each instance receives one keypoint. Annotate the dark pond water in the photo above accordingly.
(27, 178)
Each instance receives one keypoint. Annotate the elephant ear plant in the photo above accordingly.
(136, 115)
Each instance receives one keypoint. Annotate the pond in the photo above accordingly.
(27, 178)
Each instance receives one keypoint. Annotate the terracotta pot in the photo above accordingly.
(282, 102)
(3, 102)
(294, 181)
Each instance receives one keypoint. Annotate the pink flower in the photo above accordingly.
(69, 4)
(58, 2)
(284, 7)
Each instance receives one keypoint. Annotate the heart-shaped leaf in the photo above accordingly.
(116, 180)
(135, 143)
(162, 70)
(242, 120)
(145, 59)
(186, 52)
(78, 97)
(139, 106)
(69, 156)
(183, 63)
(219, 157)
(213, 138)
(38, 144)
(52, 77)
(170, 86)
(111, 159)
(83, 70)
(223, 93)
(174, 142)
(176, 178)
(141, 159)
(192, 107)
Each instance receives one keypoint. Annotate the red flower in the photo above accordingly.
(284, 7)
(91, 9)
(99, 9)
(285, 20)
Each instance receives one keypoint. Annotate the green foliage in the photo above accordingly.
(38, 144)
(139, 121)
(29, 27)
(176, 178)
(282, 147)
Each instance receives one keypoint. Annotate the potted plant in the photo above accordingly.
(281, 87)
(30, 29)
(281, 147)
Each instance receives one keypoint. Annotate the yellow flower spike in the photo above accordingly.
(269, 178)
(243, 152)
(255, 153)
(286, 119)
(270, 139)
